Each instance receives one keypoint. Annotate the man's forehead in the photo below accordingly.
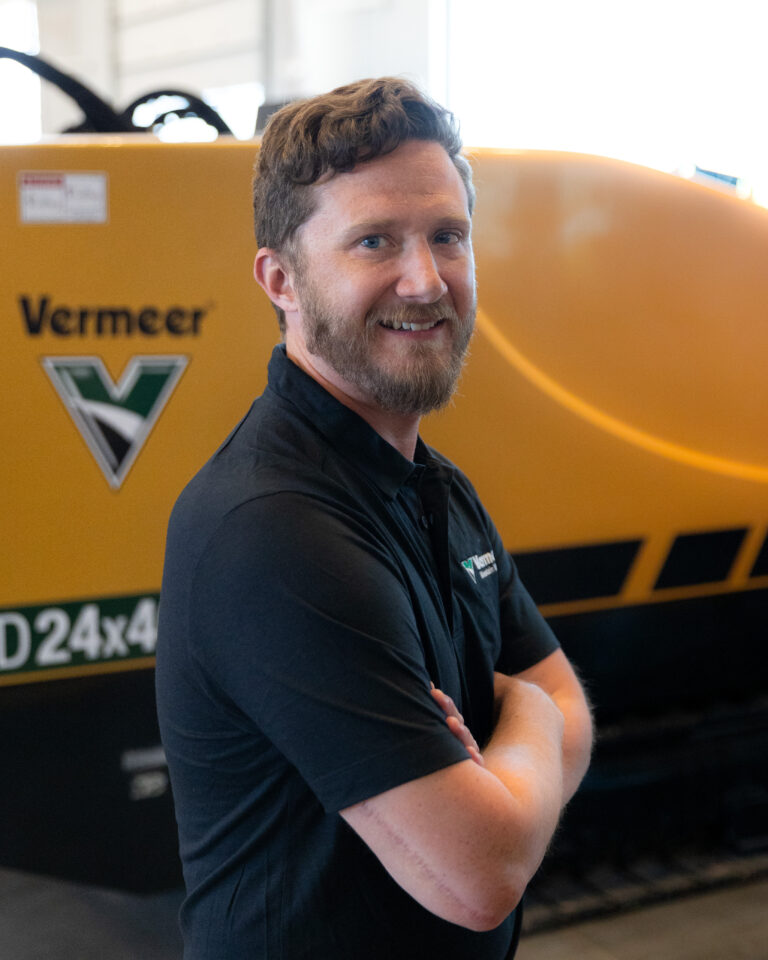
(417, 171)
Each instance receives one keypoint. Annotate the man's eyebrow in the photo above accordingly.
(373, 227)
(459, 222)
(365, 227)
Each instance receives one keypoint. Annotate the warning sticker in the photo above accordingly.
(49, 196)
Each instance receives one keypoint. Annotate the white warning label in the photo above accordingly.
(50, 196)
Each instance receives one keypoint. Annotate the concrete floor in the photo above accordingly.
(44, 919)
(726, 924)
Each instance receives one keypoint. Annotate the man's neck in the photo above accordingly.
(399, 430)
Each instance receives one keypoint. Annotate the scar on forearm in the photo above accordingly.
(399, 850)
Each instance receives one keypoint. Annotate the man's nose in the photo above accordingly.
(420, 279)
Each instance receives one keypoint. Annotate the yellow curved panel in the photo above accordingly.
(638, 292)
(604, 421)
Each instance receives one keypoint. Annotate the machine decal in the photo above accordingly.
(77, 638)
(584, 578)
(760, 568)
(701, 558)
(148, 772)
(581, 572)
(44, 315)
(51, 196)
(115, 419)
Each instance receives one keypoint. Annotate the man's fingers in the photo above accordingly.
(474, 752)
(461, 731)
(446, 704)
(464, 735)
(456, 724)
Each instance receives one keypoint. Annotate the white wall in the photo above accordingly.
(190, 45)
(76, 36)
(122, 49)
(320, 45)
(125, 48)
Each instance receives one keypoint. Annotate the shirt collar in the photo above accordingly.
(347, 432)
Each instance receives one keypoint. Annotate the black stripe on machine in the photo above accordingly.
(577, 573)
(760, 569)
(697, 558)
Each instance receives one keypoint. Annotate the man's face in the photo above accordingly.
(384, 278)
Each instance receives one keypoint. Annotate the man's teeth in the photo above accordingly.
(395, 325)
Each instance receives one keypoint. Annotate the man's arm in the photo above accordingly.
(464, 841)
(555, 675)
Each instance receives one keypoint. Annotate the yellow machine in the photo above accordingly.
(612, 417)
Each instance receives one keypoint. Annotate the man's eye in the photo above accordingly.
(447, 236)
(372, 243)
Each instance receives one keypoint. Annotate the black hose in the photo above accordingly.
(196, 108)
(99, 116)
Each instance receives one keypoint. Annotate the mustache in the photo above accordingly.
(412, 313)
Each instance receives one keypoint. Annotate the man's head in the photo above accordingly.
(311, 140)
(365, 245)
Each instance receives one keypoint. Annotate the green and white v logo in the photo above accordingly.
(469, 566)
(115, 419)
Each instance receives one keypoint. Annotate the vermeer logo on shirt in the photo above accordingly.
(483, 565)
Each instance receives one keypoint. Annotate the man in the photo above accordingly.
(369, 748)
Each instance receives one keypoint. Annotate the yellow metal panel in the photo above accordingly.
(178, 237)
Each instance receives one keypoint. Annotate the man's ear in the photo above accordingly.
(275, 278)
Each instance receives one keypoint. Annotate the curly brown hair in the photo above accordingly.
(329, 134)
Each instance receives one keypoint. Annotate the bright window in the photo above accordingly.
(665, 83)
(20, 100)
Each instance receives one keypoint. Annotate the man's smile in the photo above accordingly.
(405, 325)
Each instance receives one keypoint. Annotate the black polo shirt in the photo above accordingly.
(315, 582)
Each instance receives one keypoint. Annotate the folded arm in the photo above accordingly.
(464, 841)
(555, 675)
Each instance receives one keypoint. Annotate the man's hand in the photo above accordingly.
(456, 724)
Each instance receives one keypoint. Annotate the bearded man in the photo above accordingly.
(369, 749)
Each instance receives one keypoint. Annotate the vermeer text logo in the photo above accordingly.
(43, 316)
(115, 419)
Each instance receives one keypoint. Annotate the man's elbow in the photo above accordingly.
(491, 885)
(489, 903)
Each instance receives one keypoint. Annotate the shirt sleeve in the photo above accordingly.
(302, 622)
(526, 637)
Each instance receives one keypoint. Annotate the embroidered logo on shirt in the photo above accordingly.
(484, 565)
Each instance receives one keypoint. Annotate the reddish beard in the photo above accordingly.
(427, 377)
